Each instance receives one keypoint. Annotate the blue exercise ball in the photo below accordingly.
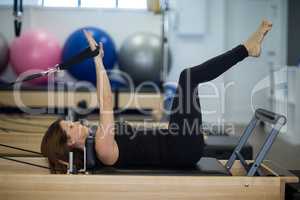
(77, 42)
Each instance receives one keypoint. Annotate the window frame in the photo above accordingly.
(116, 7)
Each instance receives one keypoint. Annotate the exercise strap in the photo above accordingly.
(85, 54)
(18, 10)
(19, 161)
(20, 149)
(23, 162)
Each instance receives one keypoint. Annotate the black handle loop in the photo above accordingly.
(270, 117)
(85, 54)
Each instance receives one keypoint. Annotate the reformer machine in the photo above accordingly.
(205, 164)
(209, 179)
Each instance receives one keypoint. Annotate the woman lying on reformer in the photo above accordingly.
(181, 145)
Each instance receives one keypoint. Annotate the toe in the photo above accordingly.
(267, 24)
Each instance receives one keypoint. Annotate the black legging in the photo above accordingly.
(185, 119)
(181, 145)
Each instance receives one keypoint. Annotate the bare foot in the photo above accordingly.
(253, 44)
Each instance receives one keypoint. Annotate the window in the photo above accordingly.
(98, 4)
(25, 2)
(60, 3)
(132, 4)
(6, 2)
(127, 4)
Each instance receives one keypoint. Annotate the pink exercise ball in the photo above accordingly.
(34, 51)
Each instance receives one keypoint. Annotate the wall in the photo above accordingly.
(293, 32)
(186, 51)
(243, 17)
(63, 21)
(252, 74)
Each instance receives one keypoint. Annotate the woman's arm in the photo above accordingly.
(105, 144)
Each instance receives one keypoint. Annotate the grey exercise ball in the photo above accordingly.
(3, 53)
(141, 57)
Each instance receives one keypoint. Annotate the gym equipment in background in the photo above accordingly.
(141, 57)
(85, 54)
(76, 42)
(34, 51)
(4, 53)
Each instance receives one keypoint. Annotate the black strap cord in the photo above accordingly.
(18, 27)
(19, 161)
(9, 130)
(27, 78)
(23, 162)
(21, 123)
(18, 11)
(85, 54)
(20, 149)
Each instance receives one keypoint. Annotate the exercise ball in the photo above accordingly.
(34, 51)
(4, 53)
(77, 42)
(141, 57)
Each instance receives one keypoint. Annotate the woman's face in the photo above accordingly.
(76, 133)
